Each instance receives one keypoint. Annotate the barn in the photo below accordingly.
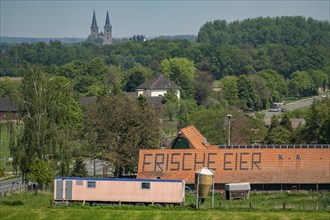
(265, 167)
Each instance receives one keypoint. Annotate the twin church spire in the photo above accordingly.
(107, 35)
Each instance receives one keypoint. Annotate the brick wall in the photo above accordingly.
(239, 165)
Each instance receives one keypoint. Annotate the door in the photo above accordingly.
(59, 189)
(68, 190)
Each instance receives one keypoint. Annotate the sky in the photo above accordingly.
(151, 18)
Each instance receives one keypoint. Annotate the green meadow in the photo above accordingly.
(28, 205)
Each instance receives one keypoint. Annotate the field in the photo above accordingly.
(302, 206)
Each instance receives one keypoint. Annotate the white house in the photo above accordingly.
(157, 86)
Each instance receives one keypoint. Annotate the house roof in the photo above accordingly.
(6, 105)
(159, 82)
(196, 139)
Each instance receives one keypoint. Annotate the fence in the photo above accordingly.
(13, 189)
(299, 201)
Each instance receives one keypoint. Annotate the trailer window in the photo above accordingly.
(91, 184)
(79, 182)
(145, 185)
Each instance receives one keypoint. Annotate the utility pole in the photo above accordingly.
(229, 117)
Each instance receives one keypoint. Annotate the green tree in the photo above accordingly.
(40, 172)
(281, 132)
(119, 127)
(136, 76)
(274, 122)
(278, 135)
(182, 71)
(50, 122)
(276, 84)
(262, 90)
(254, 129)
(301, 84)
(320, 80)
(204, 88)
(230, 89)
(286, 123)
(317, 123)
(247, 94)
(171, 102)
(210, 123)
(79, 168)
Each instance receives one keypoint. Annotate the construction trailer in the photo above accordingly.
(119, 190)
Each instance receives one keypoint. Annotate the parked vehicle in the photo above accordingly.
(118, 190)
(274, 110)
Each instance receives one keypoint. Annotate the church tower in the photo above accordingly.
(107, 38)
(94, 27)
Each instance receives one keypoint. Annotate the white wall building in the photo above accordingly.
(157, 86)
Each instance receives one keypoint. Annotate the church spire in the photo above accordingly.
(94, 27)
(94, 23)
(107, 20)
(107, 38)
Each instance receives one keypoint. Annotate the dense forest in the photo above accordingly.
(235, 67)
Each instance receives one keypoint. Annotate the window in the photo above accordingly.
(145, 185)
(298, 157)
(91, 184)
(79, 182)
(280, 157)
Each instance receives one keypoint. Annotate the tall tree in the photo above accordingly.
(230, 89)
(276, 84)
(51, 117)
(318, 123)
(182, 71)
(40, 172)
(247, 94)
(136, 76)
(79, 168)
(301, 84)
(121, 127)
(204, 88)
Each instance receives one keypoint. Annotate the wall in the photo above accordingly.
(256, 166)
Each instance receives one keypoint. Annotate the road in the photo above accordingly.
(288, 107)
(11, 184)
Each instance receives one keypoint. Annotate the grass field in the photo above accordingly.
(27, 205)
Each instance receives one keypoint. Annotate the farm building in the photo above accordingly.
(265, 167)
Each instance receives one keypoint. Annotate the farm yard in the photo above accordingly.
(285, 205)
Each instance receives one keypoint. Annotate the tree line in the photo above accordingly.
(285, 30)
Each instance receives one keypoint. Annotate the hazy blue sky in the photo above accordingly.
(151, 18)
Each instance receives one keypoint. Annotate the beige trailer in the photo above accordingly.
(117, 190)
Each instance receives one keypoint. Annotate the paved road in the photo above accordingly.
(290, 107)
(11, 184)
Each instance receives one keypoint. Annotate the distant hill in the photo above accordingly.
(179, 37)
(73, 40)
(32, 40)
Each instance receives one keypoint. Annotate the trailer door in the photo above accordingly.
(59, 189)
(68, 189)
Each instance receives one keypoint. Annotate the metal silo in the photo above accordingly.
(204, 181)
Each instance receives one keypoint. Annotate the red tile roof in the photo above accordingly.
(196, 139)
